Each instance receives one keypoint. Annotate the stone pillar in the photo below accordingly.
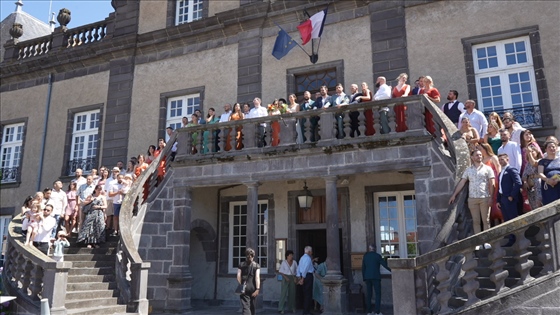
(252, 235)
(179, 280)
(56, 273)
(404, 289)
(334, 284)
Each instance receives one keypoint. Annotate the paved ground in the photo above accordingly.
(223, 310)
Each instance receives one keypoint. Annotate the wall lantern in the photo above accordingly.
(306, 199)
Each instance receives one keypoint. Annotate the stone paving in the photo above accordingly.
(226, 310)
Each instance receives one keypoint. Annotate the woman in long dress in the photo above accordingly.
(237, 114)
(492, 137)
(92, 232)
(401, 90)
(530, 177)
(318, 285)
(293, 107)
(211, 118)
(549, 173)
(433, 95)
(275, 125)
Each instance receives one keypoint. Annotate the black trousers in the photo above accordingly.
(307, 293)
(248, 303)
(42, 246)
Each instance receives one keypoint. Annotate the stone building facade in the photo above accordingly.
(127, 85)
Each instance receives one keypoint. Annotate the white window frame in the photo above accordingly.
(502, 71)
(262, 236)
(381, 235)
(188, 11)
(11, 149)
(179, 107)
(87, 131)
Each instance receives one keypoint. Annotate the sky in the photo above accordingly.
(82, 11)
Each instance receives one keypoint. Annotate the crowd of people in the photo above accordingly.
(89, 208)
(510, 174)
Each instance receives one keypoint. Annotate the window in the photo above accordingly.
(85, 138)
(12, 140)
(311, 78)
(178, 107)
(395, 217)
(505, 77)
(238, 232)
(188, 11)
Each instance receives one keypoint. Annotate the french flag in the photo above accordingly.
(313, 27)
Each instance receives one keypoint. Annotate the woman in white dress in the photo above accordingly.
(293, 107)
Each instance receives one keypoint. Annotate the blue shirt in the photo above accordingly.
(305, 266)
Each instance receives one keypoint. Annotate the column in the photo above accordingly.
(333, 240)
(334, 284)
(252, 232)
(179, 281)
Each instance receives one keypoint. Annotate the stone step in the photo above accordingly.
(90, 294)
(89, 257)
(99, 310)
(91, 271)
(91, 303)
(84, 250)
(94, 263)
(91, 278)
(91, 286)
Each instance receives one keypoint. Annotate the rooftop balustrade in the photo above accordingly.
(60, 39)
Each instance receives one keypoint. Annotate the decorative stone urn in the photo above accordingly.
(64, 17)
(16, 31)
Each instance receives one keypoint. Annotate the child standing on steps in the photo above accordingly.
(59, 244)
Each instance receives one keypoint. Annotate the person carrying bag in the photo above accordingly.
(249, 289)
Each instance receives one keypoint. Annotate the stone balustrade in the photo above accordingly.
(357, 124)
(31, 276)
(130, 270)
(58, 40)
(438, 288)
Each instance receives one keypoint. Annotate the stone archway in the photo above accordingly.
(207, 237)
(202, 260)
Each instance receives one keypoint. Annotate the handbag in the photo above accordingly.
(241, 286)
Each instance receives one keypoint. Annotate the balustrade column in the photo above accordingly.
(179, 281)
(252, 230)
(54, 283)
(334, 284)
(405, 286)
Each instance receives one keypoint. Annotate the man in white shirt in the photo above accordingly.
(340, 99)
(511, 149)
(227, 112)
(168, 134)
(383, 93)
(46, 225)
(383, 90)
(513, 127)
(79, 179)
(115, 194)
(59, 201)
(256, 112)
(477, 119)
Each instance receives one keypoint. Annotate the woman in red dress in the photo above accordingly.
(433, 95)
(275, 125)
(401, 90)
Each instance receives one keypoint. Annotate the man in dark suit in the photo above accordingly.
(371, 275)
(510, 184)
(323, 101)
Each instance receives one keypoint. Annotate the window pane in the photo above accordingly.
(481, 53)
(509, 48)
(492, 62)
